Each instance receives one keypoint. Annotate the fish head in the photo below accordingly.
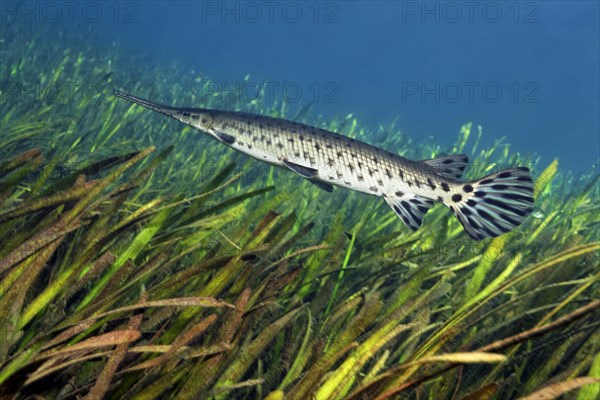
(197, 118)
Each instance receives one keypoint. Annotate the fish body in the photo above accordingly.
(487, 207)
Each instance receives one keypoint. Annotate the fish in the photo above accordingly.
(487, 207)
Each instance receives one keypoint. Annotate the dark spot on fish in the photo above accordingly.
(401, 174)
(379, 182)
(448, 161)
(330, 162)
(186, 114)
(418, 183)
(388, 173)
(373, 189)
(280, 145)
(466, 211)
(480, 193)
(301, 138)
(445, 187)
(471, 203)
(468, 188)
(291, 140)
(431, 184)
(351, 167)
(375, 160)
(456, 198)
(306, 155)
(348, 183)
(399, 194)
(423, 209)
(370, 172)
(361, 178)
(317, 147)
(504, 175)
(360, 165)
(353, 155)
(486, 181)
(195, 116)
(409, 183)
(499, 187)
(204, 120)
(269, 142)
(440, 199)
(297, 154)
(328, 145)
(414, 201)
(339, 154)
(312, 132)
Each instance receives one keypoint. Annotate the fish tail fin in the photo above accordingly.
(494, 204)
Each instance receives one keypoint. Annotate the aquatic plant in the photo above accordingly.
(141, 260)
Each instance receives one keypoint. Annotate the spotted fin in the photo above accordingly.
(451, 166)
(495, 204)
(306, 172)
(409, 207)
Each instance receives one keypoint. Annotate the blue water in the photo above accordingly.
(525, 70)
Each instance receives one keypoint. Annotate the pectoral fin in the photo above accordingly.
(225, 137)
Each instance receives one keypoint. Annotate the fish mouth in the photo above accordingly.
(166, 110)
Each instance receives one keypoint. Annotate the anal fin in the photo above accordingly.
(410, 208)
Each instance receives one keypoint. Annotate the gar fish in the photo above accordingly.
(487, 207)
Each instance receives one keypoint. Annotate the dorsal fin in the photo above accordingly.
(451, 166)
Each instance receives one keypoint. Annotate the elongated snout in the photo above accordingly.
(166, 110)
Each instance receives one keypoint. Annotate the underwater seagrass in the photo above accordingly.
(487, 207)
